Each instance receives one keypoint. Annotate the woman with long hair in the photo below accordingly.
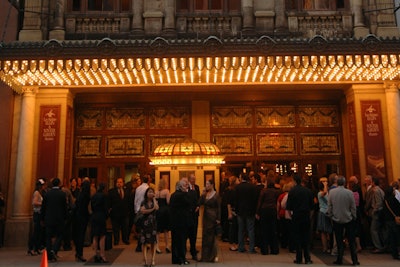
(35, 241)
(163, 215)
(211, 221)
(148, 233)
(99, 217)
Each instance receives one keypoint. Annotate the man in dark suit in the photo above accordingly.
(54, 213)
(194, 194)
(180, 210)
(120, 201)
(245, 202)
(301, 201)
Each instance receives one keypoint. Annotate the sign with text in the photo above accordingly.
(373, 138)
(48, 146)
(353, 138)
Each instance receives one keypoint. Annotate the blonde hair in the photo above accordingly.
(162, 184)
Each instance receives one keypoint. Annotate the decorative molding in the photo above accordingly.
(275, 116)
(318, 116)
(276, 144)
(234, 144)
(125, 118)
(125, 146)
(321, 144)
(232, 117)
(169, 118)
(88, 147)
(89, 119)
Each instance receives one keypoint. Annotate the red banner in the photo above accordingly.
(49, 136)
(353, 139)
(373, 138)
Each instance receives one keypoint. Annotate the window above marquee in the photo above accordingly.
(317, 5)
(99, 5)
(207, 6)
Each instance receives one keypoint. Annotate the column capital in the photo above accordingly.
(29, 90)
(393, 87)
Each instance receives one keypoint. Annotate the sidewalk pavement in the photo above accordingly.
(10, 257)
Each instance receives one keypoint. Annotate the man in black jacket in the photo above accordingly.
(194, 193)
(246, 203)
(120, 201)
(54, 213)
(180, 209)
(301, 201)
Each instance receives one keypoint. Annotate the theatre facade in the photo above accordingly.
(93, 88)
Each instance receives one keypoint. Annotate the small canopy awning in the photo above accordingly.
(162, 62)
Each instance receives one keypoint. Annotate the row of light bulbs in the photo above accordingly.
(113, 72)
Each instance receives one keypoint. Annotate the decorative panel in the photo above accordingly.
(157, 140)
(170, 118)
(88, 146)
(89, 119)
(276, 143)
(234, 144)
(275, 117)
(125, 118)
(319, 116)
(371, 114)
(320, 144)
(125, 146)
(232, 117)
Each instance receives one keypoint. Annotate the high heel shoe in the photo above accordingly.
(158, 251)
(167, 250)
(31, 253)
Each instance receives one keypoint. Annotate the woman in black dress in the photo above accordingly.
(211, 220)
(99, 217)
(163, 216)
(148, 233)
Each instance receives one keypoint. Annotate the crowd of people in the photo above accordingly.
(252, 211)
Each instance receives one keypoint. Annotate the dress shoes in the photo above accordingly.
(356, 263)
(377, 251)
(338, 262)
(308, 262)
(80, 259)
(297, 262)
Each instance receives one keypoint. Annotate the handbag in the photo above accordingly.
(396, 218)
(138, 218)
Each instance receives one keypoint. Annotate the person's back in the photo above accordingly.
(246, 199)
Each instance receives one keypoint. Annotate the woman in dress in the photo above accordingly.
(99, 217)
(148, 233)
(163, 216)
(81, 219)
(211, 220)
(324, 225)
(35, 241)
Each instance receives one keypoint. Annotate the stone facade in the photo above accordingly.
(279, 18)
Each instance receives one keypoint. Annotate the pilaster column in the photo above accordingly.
(393, 111)
(169, 19)
(281, 23)
(248, 15)
(23, 175)
(137, 19)
(58, 31)
(32, 21)
(359, 27)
